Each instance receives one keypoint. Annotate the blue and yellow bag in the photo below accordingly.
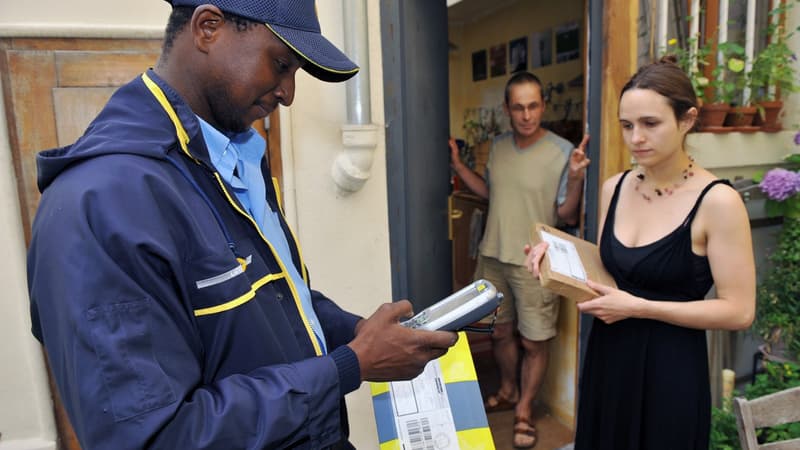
(465, 407)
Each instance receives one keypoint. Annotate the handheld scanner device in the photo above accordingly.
(470, 304)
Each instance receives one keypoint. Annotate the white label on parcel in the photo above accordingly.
(422, 411)
(564, 257)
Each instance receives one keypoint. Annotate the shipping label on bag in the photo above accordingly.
(424, 418)
(568, 263)
(441, 408)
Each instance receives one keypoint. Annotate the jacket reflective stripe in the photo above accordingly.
(183, 139)
(223, 277)
(241, 299)
(284, 272)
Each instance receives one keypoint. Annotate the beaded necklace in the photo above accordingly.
(668, 190)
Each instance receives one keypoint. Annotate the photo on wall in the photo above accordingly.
(497, 60)
(479, 65)
(568, 42)
(518, 54)
(542, 48)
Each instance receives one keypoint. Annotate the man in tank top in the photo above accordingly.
(532, 175)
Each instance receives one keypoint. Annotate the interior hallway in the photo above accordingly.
(551, 434)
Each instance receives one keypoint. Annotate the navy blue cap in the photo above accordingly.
(295, 23)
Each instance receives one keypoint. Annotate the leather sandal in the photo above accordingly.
(523, 428)
(497, 402)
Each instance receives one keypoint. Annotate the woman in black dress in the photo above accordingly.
(669, 230)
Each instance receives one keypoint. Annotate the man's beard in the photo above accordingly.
(226, 116)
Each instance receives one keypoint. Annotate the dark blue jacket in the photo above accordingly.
(157, 335)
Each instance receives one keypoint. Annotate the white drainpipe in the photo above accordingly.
(352, 166)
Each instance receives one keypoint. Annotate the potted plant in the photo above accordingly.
(693, 58)
(718, 95)
(773, 73)
(778, 310)
(728, 80)
(480, 126)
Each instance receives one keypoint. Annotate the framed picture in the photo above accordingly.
(518, 54)
(568, 42)
(542, 48)
(497, 60)
(479, 65)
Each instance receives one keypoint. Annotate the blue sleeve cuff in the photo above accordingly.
(349, 370)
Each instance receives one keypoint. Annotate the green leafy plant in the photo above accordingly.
(692, 58)
(481, 124)
(778, 311)
(727, 77)
(776, 377)
(723, 434)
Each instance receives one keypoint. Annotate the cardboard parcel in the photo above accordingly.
(568, 263)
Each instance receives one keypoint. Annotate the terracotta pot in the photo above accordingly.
(712, 116)
(771, 114)
(741, 118)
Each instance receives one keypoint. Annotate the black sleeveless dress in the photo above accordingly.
(645, 383)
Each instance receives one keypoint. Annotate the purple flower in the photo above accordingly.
(780, 184)
(797, 138)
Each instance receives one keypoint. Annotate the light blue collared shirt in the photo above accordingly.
(243, 152)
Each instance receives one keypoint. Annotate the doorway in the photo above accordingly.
(488, 41)
(426, 104)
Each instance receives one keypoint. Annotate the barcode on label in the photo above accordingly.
(559, 246)
(419, 434)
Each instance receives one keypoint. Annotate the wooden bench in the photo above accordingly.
(767, 411)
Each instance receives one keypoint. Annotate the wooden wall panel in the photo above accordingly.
(92, 69)
(31, 75)
(75, 108)
(619, 63)
(83, 44)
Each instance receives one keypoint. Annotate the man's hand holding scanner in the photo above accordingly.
(387, 350)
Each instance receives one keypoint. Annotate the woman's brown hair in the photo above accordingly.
(667, 79)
